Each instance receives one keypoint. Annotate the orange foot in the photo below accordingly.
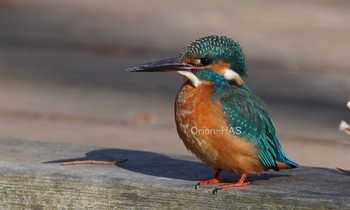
(240, 183)
(213, 180)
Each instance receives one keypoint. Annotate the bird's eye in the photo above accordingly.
(205, 61)
(202, 61)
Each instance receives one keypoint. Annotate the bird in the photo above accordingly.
(217, 116)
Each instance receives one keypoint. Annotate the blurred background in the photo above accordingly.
(63, 79)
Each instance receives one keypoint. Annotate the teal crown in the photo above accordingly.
(216, 48)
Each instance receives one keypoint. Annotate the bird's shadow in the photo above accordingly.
(155, 164)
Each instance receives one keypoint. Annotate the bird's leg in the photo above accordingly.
(213, 180)
(240, 183)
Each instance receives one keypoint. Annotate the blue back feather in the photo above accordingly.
(245, 110)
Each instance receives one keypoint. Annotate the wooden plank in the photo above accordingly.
(31, 176)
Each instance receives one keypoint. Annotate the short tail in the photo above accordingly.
(287, 164)
(283, 162)
(292, 164)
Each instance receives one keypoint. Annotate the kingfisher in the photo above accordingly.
(217, 117)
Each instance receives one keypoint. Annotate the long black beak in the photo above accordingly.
(174, 64)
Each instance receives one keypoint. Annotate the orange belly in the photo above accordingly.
(203, 129)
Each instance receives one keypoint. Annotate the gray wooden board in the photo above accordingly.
(31, 177)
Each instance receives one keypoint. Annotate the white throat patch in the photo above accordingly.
(229, 74)
(195, 81)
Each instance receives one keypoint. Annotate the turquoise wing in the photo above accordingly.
(246, 111)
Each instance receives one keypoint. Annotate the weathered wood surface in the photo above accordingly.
(31, 177)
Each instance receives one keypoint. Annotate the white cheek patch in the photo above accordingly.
(195, 81)
(234, 76)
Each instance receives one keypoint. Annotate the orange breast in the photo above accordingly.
(203, 129)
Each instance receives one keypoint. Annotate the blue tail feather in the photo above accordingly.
(291, 163)
(281, 156)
